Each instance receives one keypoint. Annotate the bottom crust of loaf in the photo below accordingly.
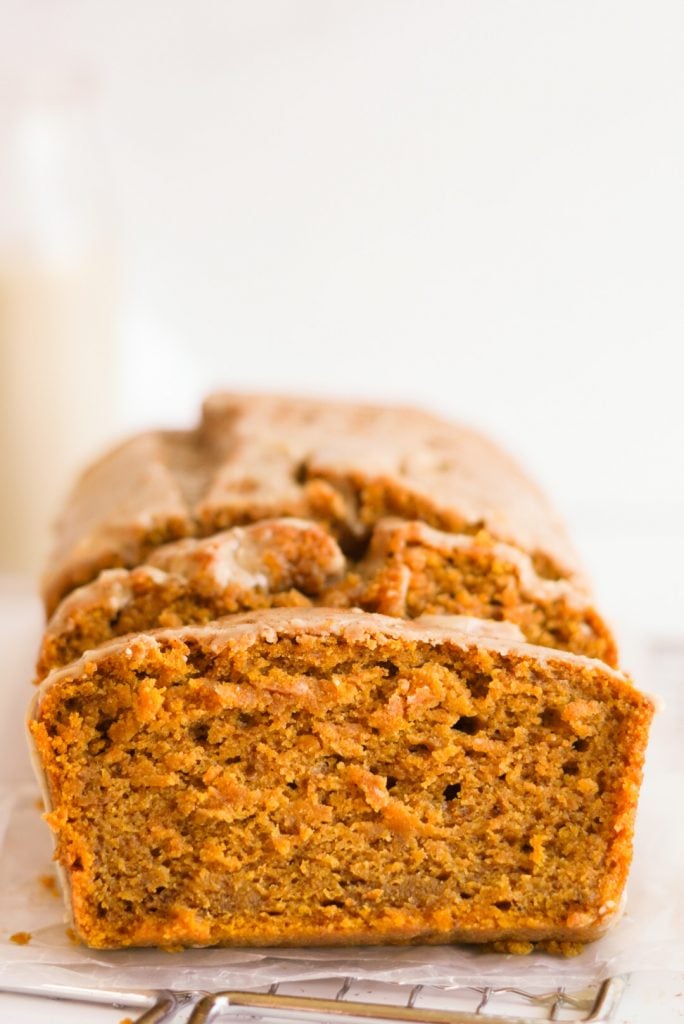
(339, 778)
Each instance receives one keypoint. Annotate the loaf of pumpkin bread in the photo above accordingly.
(257, 662)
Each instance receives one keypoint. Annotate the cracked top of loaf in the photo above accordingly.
(257, 456)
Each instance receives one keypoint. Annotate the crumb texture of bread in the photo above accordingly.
(344, 465)
(274, 563)
(410, 570)
(316, 776)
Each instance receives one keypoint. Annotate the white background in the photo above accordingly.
(476, 206)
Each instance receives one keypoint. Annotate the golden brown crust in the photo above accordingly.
(327, 777)
(255, 457)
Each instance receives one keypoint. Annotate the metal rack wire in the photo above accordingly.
(420, 1004)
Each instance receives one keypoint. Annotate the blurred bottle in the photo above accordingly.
(58, 290)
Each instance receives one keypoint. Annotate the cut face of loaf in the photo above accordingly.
(410, 570)
(413, 570)
(339, 777)
(258, 457)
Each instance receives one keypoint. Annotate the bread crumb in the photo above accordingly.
(514, 946)
(49, 882)
(562, 947)
(522, 948)
(72, 936)
(21, 938)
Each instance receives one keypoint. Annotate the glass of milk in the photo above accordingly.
(58, 290)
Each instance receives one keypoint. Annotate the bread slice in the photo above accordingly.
(345, 465)
(332, 777)
(276, 562)
(412, 570)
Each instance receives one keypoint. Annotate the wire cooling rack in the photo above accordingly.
(354, 1001)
